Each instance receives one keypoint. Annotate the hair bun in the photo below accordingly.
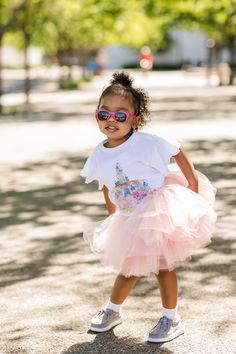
(122, 78)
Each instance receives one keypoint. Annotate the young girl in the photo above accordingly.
(158, 216)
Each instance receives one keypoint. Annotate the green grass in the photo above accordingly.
(73, 84)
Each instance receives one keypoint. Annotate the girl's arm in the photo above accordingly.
(186, 166)
(110, 206)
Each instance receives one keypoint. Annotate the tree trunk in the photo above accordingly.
(83, 61)
(232, 59)
(1, 86)
(27, 67)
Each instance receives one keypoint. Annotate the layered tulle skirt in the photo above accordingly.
(161, 233)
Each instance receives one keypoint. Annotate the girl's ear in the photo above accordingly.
(136, 123)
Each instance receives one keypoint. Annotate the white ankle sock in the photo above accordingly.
(114, 307)
(172, 314)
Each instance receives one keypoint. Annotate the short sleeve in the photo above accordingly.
(168, 148)
(162, 151)
(91, 171)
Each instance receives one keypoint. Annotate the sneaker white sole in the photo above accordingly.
(104, 329)
(167, 339)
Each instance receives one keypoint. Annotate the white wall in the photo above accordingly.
(11, 56)
(188, 47)
(117, 55)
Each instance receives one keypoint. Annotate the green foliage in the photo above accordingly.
(84, 25)
(29, 23)
(8, 13)
(142, 23)
(215, 17)
(67, 25)
(219, 20)
(73, 84)
(69, 84)
(74, 24)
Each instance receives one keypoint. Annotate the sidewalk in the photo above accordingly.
(51, 284)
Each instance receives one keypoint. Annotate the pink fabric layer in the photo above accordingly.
(163, 231)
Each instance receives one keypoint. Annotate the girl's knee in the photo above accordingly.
(165, 273)
(128, 279)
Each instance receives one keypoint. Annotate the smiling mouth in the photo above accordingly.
(111, 128)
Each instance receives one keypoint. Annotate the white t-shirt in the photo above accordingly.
(131, 169)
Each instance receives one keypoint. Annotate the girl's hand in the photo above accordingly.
(186, 166)
(194, 187)
(110, 206)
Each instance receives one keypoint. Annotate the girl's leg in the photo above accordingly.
(121, 288)
(107, 319)
(168, 288)
(169, 326)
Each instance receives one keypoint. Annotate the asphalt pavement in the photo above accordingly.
(51, 284)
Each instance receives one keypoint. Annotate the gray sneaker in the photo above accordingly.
(105, 320)
(165, 330)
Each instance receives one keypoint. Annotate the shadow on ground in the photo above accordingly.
(42, 208)
(40, 195)
(184, 108)
(108, 343)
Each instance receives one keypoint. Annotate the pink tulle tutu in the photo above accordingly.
(162, 232)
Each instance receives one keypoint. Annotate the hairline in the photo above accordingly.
(119, 90)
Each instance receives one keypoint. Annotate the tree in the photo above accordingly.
(217, 18)
(8, 14)
(81, 27)
(84, 26)
(29, 22)
(69, 27)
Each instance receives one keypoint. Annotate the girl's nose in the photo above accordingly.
(111, 116)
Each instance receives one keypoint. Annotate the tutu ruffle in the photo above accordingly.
(161, 233)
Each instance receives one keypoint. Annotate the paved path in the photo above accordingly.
(50, 283)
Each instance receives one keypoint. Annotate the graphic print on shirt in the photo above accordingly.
(129, 193)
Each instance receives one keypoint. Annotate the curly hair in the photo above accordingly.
(121, 84)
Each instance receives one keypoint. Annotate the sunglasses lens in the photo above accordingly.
(120, 116)
(102, 115)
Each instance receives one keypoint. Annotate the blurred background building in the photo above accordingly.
(83, 38)
(188, 48)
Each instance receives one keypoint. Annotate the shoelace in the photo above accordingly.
(163, 324)
(106, 313)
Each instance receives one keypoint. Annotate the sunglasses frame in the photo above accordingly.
(128, 115)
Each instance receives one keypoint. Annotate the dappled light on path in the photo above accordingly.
(51, 284)
(44, 205)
